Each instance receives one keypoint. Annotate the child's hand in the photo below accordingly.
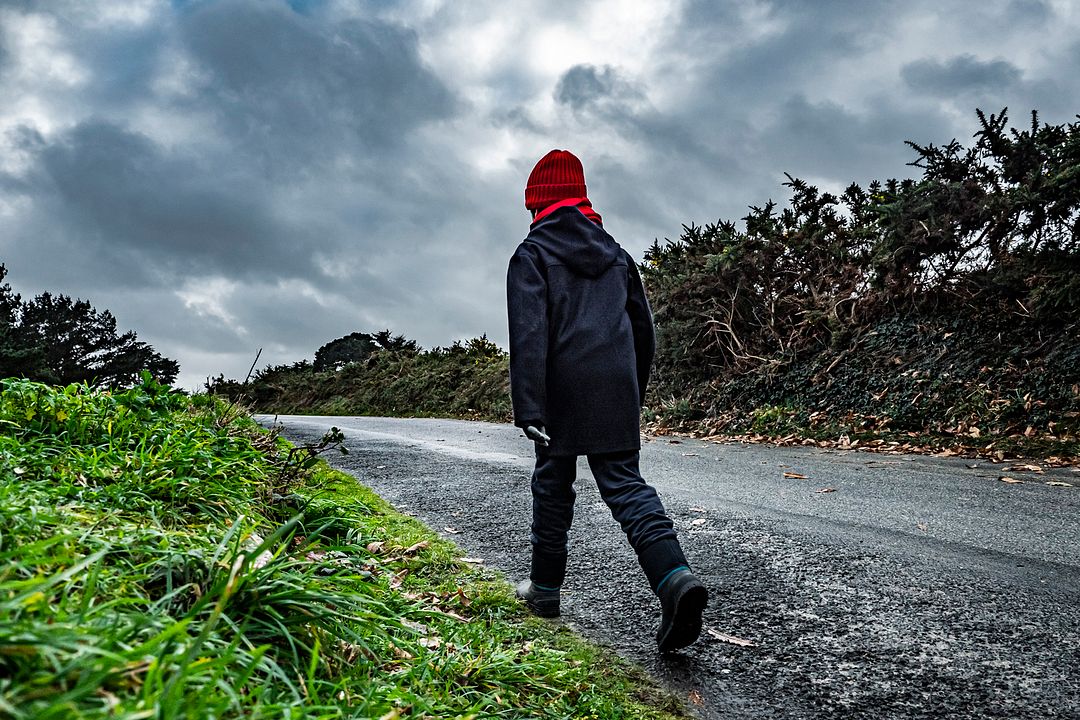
(537, 435)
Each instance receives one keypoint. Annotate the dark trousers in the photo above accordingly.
(633, 503)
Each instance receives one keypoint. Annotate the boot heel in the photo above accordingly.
(683, 604)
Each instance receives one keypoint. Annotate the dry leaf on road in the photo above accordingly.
(1058, 483)
(724, 637)
(474, 561)
(795, 476)
(699, 521)
(825, 490)
(451, 531)
(1011, 480)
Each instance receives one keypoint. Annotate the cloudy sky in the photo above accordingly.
(232, 175)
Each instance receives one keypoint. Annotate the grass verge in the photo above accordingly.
(162, 557)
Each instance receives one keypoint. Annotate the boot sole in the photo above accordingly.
(685, 624)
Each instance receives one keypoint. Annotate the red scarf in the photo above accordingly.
(581, 204)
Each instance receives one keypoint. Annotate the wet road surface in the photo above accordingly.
(915, 588)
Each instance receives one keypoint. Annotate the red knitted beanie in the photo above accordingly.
(557, 176)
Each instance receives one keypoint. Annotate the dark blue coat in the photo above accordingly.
(581, 336)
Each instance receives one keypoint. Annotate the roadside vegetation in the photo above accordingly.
(934, 314)
(161, 556)
(383, 374)
(940, 311)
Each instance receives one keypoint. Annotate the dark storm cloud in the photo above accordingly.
(585, 87)
(287, 84)
(124, 64)
(809, 36)
(297, 101)
(118, 192)
(826, 141)
(963, 73)
(1029, 12)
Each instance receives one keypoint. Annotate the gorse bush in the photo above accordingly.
(161, 557)
(893, 305)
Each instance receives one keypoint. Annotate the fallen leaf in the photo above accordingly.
(675, 442)
(695, 698)
(1058, 483)
(417, 547)
(699, 521)
(825, 490)
(416, 627)
(689, 454)
(1025, 468)
(795, 476)
(923, 526)
(724, 637)
(1010, 480)
(380, 467)
(474, 561)
(375, 547)
(451, 531)
(697, 509)
(450, 614)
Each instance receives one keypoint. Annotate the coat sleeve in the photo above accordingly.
(526, 308)
(641, 321)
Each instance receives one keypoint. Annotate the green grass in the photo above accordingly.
(162, 557)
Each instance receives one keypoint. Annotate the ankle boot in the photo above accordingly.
(541, 591)
(683, 599)
(682, 596)
(542, 601)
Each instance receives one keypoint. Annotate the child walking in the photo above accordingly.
(581, 346)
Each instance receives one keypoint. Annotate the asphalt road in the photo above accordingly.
(916, 588)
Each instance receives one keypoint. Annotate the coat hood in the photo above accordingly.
(576, 242)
